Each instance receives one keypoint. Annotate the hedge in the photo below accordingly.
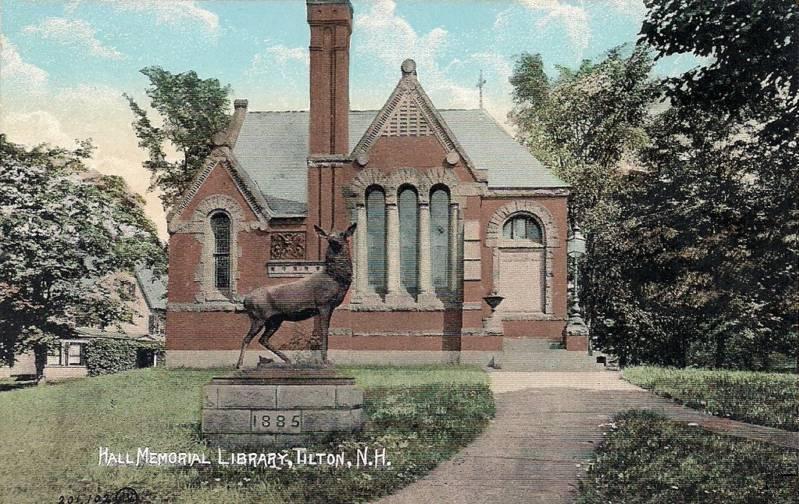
(112, 355)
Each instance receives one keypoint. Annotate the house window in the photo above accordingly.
(439, 237)
(409, 239)
(75, 354)
(220, 226)
(376, 239)
(522, 227)
(55, 356)
(405, 254)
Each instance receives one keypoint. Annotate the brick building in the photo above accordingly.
(449, 209)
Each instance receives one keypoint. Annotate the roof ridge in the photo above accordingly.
(362, 110)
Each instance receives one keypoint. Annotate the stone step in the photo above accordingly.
(532, 354)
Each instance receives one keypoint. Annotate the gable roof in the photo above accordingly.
(409, 108)
(272, 148)
(154, 289)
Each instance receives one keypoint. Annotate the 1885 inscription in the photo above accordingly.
(276, 421)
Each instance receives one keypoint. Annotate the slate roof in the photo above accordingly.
(154, 290)
(273, 146)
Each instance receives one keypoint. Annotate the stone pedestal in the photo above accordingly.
(575, 337)
(280, 407)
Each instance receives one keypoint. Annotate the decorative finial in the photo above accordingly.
(408, 67)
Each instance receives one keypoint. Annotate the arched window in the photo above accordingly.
(522, 227)
(439, 237)
(376, 238)
(409, 239)
(220, 226)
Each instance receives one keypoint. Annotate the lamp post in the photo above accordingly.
(576, 332)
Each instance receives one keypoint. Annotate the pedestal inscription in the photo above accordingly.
(279, 407)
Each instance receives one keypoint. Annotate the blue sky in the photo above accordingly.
(65, 64)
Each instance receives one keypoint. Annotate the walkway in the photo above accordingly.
(545, 430)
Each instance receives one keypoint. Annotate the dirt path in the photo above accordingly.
(545, 430)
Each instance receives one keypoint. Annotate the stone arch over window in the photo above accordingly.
(208, 212)
(220, 227)
(522, 227)
(536, 255)
(538, 212)
(407, 257)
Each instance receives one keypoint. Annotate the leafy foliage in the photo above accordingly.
(648, 459)
(770, 399)
(690, 212)
(752, 72)
(113, 355)
(63, 232)
(585, 122)
(193, 110)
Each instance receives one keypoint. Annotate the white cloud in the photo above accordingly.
(278, 57)
(283, 54)
(15, 71)
(633, 8)
(98, 112)
(386, 38)
(389, 37)
(33, 128)
(574, 18)
(75, 33)
(173, 12)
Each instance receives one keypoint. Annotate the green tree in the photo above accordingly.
(62, 234)
(722, 175)
(192, 111)
(587, 123)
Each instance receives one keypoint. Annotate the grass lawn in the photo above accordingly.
(770, 399)
(648, 459)
(50, 436)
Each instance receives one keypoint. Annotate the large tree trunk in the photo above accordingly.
(40, 359)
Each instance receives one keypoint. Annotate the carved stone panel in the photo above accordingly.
(287, 246)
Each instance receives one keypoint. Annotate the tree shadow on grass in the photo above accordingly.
(14, 384)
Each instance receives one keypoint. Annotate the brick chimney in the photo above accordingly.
(331, 25)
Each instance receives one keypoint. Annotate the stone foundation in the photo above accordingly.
(280, 408)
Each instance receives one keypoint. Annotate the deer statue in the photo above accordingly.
(315, 296)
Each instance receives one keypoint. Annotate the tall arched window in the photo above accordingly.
(409, 239)
(220, 226)
(439, 237)
(376, 238)
(522, 227)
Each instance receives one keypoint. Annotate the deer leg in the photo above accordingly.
(273, 325)
(255, 327)
(324, 326)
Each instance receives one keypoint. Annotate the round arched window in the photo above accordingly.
(220, 225)
(522, 227)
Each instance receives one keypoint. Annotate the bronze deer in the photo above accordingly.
(315, 296)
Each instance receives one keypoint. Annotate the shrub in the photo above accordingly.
(112, 355)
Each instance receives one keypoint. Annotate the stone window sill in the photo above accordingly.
(401, 302)
(528, 316)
